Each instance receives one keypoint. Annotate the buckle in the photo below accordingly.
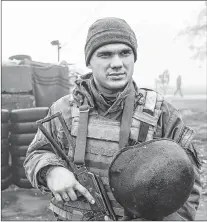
(80, 169)
(84, 108)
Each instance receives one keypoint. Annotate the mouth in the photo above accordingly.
(117, 74)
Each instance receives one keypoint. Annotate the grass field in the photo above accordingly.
(194, 112)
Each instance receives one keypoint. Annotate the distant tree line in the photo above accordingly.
(197, 35)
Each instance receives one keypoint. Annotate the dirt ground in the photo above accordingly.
(25, 204)
(30, 204)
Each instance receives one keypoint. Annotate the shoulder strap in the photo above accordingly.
(126, 120)
(150, 103)
(79, 156)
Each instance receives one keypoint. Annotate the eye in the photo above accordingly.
(126, 52)
(104, 54)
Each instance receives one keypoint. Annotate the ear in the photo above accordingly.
(89, 66)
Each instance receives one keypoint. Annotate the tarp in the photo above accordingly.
(49, 84)
(15, 79)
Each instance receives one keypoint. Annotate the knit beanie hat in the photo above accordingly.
(106, 31)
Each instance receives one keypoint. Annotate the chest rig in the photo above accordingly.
(98, 139)
(139, 125)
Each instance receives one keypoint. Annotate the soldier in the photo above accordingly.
(120, 114)
(178, 85)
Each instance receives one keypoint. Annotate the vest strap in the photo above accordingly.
(148, 108)
(79, 156)
(144, 128)
(126, 120)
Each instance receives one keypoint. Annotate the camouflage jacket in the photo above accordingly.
(170, 125)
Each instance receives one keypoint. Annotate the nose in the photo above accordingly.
(116, 62)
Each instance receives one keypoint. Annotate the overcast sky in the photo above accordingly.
(28, 27)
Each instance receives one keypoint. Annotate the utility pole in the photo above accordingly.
(57, 43)
(59, 47)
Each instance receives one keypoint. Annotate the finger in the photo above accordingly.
(106, 218)
(72, 195)
(85, 193)
(57, 197)
(65, 196)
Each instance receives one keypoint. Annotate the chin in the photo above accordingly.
(117, 84)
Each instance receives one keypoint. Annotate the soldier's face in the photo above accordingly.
(112, 66)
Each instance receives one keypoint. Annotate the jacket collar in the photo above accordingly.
(86, 92)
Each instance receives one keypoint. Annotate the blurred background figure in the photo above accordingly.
(178, 85)
(162, 82)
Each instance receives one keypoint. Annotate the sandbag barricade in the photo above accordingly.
(23, 129)
(6, 176)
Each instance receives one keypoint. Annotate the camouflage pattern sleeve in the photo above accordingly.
(39, 155)
(171, 125)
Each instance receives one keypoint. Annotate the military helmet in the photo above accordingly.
(153, 179)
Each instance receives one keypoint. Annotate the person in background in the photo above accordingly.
(178, 86)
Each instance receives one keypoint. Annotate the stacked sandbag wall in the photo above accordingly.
(6, 176)
(23, 130)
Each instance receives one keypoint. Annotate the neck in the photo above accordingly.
(112, 92)
(109, 94)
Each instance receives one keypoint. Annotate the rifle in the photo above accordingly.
(90, 181)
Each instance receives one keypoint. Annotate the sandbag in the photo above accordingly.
(21, 139)
(18, 161)
(22, 128)
(18, 171)
(5, 158)
(29, 114)
(4, 115)
(22, 183)
(4, 145)
(4, 130)
(19, 151)
(5, 171)
(5, 183)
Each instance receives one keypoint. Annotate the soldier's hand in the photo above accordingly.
(63, 185)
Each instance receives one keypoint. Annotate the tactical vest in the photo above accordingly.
(103, 144)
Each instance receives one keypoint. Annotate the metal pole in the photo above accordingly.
(58, 52)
